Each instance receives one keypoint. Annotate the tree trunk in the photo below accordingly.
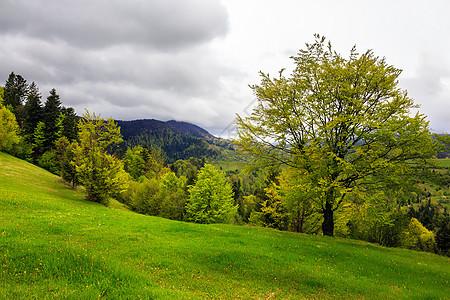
(328, 221)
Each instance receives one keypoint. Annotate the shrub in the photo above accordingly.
(146, 198)
(48, 161)
(417, 237)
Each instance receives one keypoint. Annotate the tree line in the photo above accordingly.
(39, 125)
(84, 151)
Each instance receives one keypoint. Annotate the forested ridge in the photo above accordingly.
(178, 140)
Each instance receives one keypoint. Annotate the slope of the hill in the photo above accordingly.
(130, 128)
(53, 244)
(178, 140)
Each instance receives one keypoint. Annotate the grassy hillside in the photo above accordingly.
(53, 244)
(443, 162)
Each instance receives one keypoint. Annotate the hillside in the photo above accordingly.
(178, 140)
(132, 128)
(54, 244)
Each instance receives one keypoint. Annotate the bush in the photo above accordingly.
(378, 224)
(9, 130)
(146, 198)
(417, 237)
(173, 196)
(48, 161)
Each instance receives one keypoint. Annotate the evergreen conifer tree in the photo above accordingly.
(33, 110)
(52, 119)
(16, 89)
(70, 127)
(39, 140)
(15, 92)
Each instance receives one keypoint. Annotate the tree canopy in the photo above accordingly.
(341, 123)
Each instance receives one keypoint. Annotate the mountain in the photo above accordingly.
(135, 127)
(178, 140)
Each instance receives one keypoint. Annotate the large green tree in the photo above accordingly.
(38, 140)
(101, 173)
(340, 122)
(211, 198)
(135, 160)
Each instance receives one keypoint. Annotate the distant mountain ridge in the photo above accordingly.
(131, 127)
(178, 140)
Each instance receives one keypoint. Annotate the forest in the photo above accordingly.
(315, 164)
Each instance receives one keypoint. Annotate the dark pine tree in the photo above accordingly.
(34, 112)
(16, 89)
(70, 124)
(52, 115)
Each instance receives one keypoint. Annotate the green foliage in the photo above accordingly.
(135, 160)
(2, 92)
(162, 195)
(34, 111)
(341, 122)
(247, 207)
(9, 130)
(101, 173)
(48, 161)
(15, 91)
(373, 218)
(173, 196)
(65, 156)
(417, 237)
(187, 168)
(145, 199)
(443, 237)
(294, 203)
(141, 163)
(443, 138)
(69, 123)
(154, 163)
(39, 139)
(211, 198)
(53, 119)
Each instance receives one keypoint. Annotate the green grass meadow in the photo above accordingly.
(54, 244)
(443, 162)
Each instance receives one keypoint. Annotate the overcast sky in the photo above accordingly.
(192, 60)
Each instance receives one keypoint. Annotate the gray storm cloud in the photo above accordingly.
(156, 24)
(128, 59)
